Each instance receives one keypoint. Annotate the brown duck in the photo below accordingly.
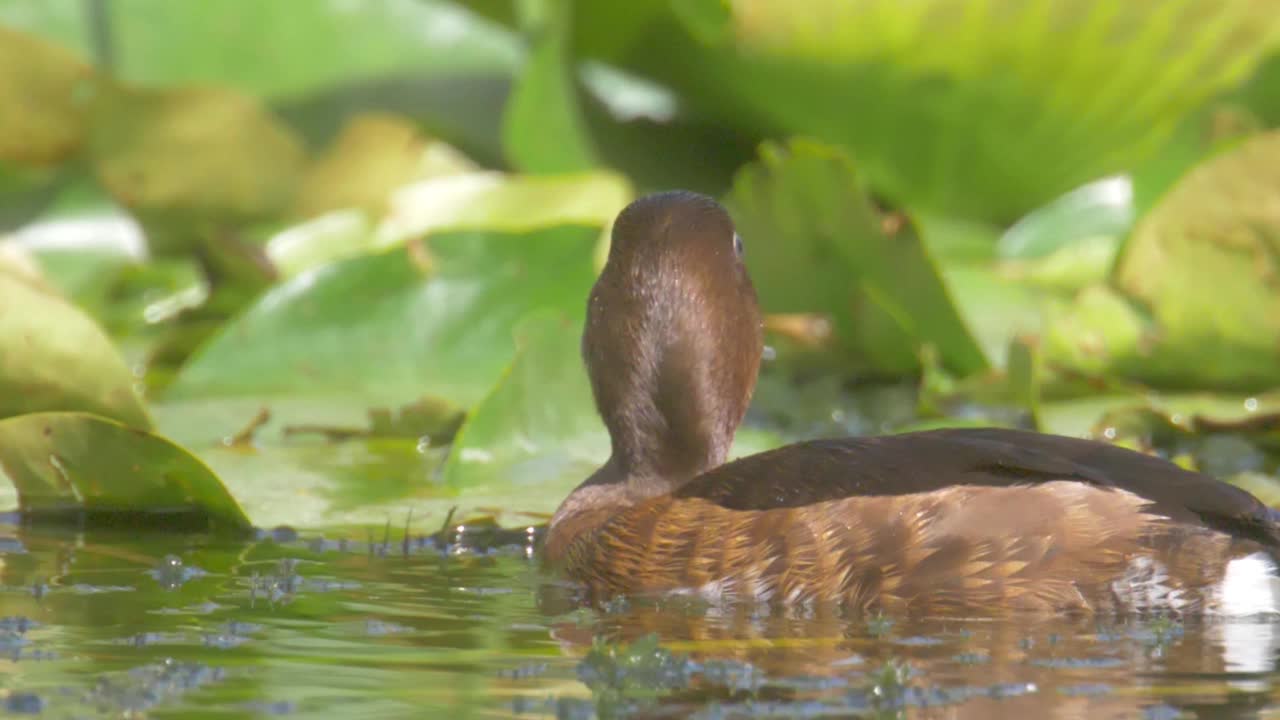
(943, 521)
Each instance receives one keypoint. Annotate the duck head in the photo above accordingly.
(673, 341)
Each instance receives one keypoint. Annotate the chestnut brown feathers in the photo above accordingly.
(941, 521)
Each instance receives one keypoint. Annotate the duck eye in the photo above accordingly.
(737, 244)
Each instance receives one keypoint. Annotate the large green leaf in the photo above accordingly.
(984, 109)
(1205, 262)
(815, 244)
(428, 318)
(69, 462)
(55, 358)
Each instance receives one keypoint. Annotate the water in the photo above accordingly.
(108, 625)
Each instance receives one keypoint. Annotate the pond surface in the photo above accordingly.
(109, 625)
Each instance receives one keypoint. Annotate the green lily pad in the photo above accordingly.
(815, 244)
(431, 318)
(1205, 262)
(56, 358)
(64, 462)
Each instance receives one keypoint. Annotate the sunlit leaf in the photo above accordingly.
(63, 462)
(504, 203)
(433, 318)
(54, 357)
(985, 109)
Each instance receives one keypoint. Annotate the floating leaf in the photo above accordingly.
(65, 462)
(426, 319)
(42, 100)
(1206, 263)
(53, 357)
(816, 244)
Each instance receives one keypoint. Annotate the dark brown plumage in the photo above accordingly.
(942, 521)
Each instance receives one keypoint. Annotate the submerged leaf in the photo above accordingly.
(63, 462)
(54, 357)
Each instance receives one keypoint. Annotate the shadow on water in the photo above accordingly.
(106, 625)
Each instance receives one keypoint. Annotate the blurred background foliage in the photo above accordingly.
(321, 262)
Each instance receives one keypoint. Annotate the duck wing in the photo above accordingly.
(825, 470)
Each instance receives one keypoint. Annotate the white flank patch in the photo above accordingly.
(1250, 586)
